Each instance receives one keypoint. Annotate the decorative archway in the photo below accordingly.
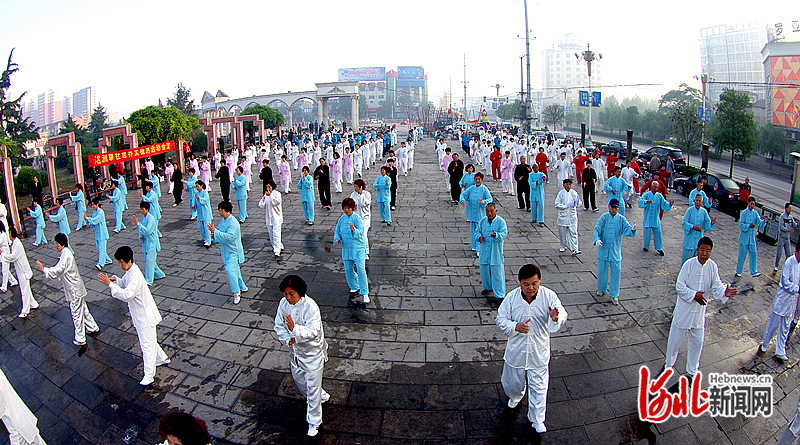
(8, 178)
(330, 90)
(73, 149)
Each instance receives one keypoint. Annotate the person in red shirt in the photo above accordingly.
(580, 164)
(611, 162)
(635, 167)
(495, 157)
(541, 161)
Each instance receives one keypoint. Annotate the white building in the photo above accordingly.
(563, 72)
(84, 102)
(731, 55)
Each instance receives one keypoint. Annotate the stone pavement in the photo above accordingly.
(421, 365)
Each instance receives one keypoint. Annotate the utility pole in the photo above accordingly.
(522, 112)
(497, 87)
(589, 57)
(528, 58)
(465, 86)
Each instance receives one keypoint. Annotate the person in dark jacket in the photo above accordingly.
(177, 185)
(224, 176)
(36, 189)
(265, 175)
(391, 171)
(521, 173)
(323, 177)
(589, 181)
(456, 172)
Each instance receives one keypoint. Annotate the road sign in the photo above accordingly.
(568, 110)
(707, 115)
(595, 98)
(700, 112)
(583, 98)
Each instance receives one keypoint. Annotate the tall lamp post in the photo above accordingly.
(528, 107)
(589, 57)
(522, 113)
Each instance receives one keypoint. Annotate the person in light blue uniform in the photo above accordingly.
(203, 203)
(383, 186)
(608, 239)
(97, 222)
(123, 187)
(240, 185)
(695, 222)
(699, 191)
(117, 199)
(652, 201)
(349, 232)
(189, 186)
(148, 234)
(615, 186)
(491, 234)
(150, 196)
(536, 180)
(475, 200)
(749, 222)
(229, 236)
(60, 218)
(37, 214)
(156, 184)
(468, 179)
(306, 186)
(79, 199)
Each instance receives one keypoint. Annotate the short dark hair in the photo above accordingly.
(201, 183)
(295, 282)
(144, 205)
(751, 199)
(348, 203)
(96, 201)
(226, 206)
(148, 184)
(60, 200)
(478, 175)
(124, 254)
(188, 429)
(705, 241)
(787, 205)
(62, 239)
(529, 271)
(12, 232)
(360, 182)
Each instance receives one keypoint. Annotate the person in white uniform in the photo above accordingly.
(74, 290)
(527, 316)
(783, 307)
(699, 275)
(5, 246)
(133, 289)
(17, 256)
(567, 203)
(271, 202)
(298, 325)
(17, 417)
(563, 168)
(363, 201)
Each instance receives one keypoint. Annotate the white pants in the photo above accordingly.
(366, 241)
(487, 162)
(402, 166)
(675, 341)
(151, 351)
(337, 186)
(310, 385)
(274, 231)
(411, 159)
(514, 383)
(15, 438)
(7, 277)
(285, 186)
(171, 186)
(508, 187)
(348, 176)
(778, 323)
(82, 319)
(569, 236)
(601, 182)
(28, 302)
(357, 168)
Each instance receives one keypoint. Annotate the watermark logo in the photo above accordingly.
(727, 396)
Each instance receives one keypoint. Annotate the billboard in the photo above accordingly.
(410, 73)
(362, 74)
(785, 99)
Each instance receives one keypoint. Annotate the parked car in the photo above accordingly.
(662, 153)
(619, 149)
(722, 191)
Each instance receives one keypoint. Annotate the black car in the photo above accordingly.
(619, 149)
(662, 153)
(722, 191)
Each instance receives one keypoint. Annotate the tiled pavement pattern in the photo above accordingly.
(421, 365)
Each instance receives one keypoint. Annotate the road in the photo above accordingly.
(771, 189)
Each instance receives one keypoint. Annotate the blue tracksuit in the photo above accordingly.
(306, 186)
(610, 229)
(383, 184)
(619, 186)
(80, 207)
(475, 209)
(536, 182)
(148, 232)
(651, 220)
(694, 217)
(203, 204)
(117, 199)
(229, 237)
(492, 261)
(747, 239)
(60, 218)
(36, 214)
(97, 222)
(354, 251)
(240, 184)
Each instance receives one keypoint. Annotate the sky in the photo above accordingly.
(136, 52)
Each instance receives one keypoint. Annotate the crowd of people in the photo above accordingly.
(527, 315)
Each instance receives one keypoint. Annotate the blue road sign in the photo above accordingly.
(583, 98)
(568, 110)
(707, 115)
(700, 112)
(595, 98)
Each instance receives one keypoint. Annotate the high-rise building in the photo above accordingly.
(782, 69)
(84, 102)
(444, 102)
(563, 73)
(731, 56)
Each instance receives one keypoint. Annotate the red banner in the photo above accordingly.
(130, 154)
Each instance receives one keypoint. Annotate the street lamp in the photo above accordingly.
(589, 57)
(704, 78)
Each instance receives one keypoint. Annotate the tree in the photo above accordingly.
(575, 118)
(154, 124)
(14, 130)
(655, 125)
(771, 140)
(272, 118)
(509, 111)
(686, 125)
(736, 129)
(97, 123)
(670, 100)
(81, 134)
(632, 118)
(385, 109)
(182, 100)
(553, 115)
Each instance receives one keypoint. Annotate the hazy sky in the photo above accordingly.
(138, 51)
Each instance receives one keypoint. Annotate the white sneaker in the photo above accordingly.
(313, 430)
(165, 362)
(146, 381)
(78, 343)
(783, 357)
(600, 293)
(365, 299)
(325, 397)
(237, 298)
(512, 404)
(539, 428)
(562, 249)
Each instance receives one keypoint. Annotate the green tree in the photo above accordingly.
(81, 134)
(509, 111)
(632, 118)
(642, 104)
(735, 131)
(97, 123)
(687, 128)
(575, 118)
(23, 182)
(385, 109)
(655, 124)
(182, 100)
(154, 124)
(272, 118)
(771, 140)
(553, 115)
(670, 100)
(14, 130)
